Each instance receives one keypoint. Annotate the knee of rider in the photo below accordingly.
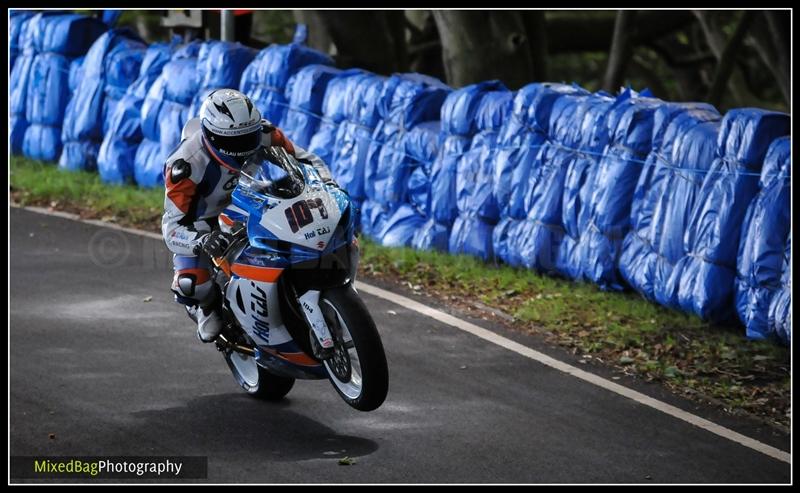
(192, 288)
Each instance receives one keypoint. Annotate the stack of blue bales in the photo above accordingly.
(765, 236)
(305, 93)
(165, 111)
(517, 150)
(16, 25)
(458, 127)
(115, 160)
(109, 68)
(702, 281)
(420, 145)
(594, 136)
(333, 104)
(18, 83)
(219, 66)
(609, 190)
(478, 209)
(780, 308)
(684, 146)
(537, 240)
(405, 101)
(264, 80)
(57, 40)
(354, 135)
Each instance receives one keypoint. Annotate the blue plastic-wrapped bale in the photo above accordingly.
(518, 146)
(220, 65)
(765, 233)
(333, 113)
(122, 69)
(612, 182)
(405, 101)
(16, 24)
(159, 106)
(18, 84)
(692, 155)
(115, 160)
(704, 277)
(576, 196)
(538, 237)
(70, 35)
(458, 128)
(422, 145)
(395, 153)
(684, 145)
(780, 309)
(308, 87)
(149, 160)
(249, 79)
(55, 39)
(181, 84)
(400, 227)
(115, 57)
(353, 140)
(475, 199)
(265, 84)
(48, 96)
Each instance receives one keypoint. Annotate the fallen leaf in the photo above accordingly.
(346, 461)
(625, 360)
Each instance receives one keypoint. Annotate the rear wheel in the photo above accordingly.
(358, 369)
(255, 380)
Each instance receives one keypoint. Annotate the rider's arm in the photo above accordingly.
(178, 225)
(276, 137)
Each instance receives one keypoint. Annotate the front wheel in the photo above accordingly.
(255, 380)
(358, 369)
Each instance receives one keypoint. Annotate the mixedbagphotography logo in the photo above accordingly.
(109, 248)
(160, 467)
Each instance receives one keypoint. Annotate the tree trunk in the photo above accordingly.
(366, 39)
(717, 42)
(483, 45)
(318, 37)
(536, 28)
(424, 47)
(571, 32)
(777, 58)
(727, 60)
(620, 51)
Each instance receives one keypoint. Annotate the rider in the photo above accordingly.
(199, 177)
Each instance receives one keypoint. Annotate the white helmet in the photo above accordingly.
(231, 124)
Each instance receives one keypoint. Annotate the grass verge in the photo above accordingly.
(703, 362)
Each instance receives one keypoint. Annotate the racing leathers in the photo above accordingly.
(199, 182)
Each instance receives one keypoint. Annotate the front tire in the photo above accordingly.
(358, 370)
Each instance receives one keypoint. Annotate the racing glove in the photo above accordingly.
(213, 244)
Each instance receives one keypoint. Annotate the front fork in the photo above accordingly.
(322, 340)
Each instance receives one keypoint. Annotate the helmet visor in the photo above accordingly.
(238, 147)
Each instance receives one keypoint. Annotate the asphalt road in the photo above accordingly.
(96, 370)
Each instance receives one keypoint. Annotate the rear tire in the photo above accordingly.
(255, 380)
(364, 375)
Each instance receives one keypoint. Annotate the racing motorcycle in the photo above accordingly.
(289, 306)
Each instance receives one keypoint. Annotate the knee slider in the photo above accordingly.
(185, 284)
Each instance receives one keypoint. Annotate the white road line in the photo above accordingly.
(501, 341)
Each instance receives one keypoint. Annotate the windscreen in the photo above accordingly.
(272, 171)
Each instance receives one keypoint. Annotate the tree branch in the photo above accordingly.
(727, 61)
(571, 33)
(620, 50)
